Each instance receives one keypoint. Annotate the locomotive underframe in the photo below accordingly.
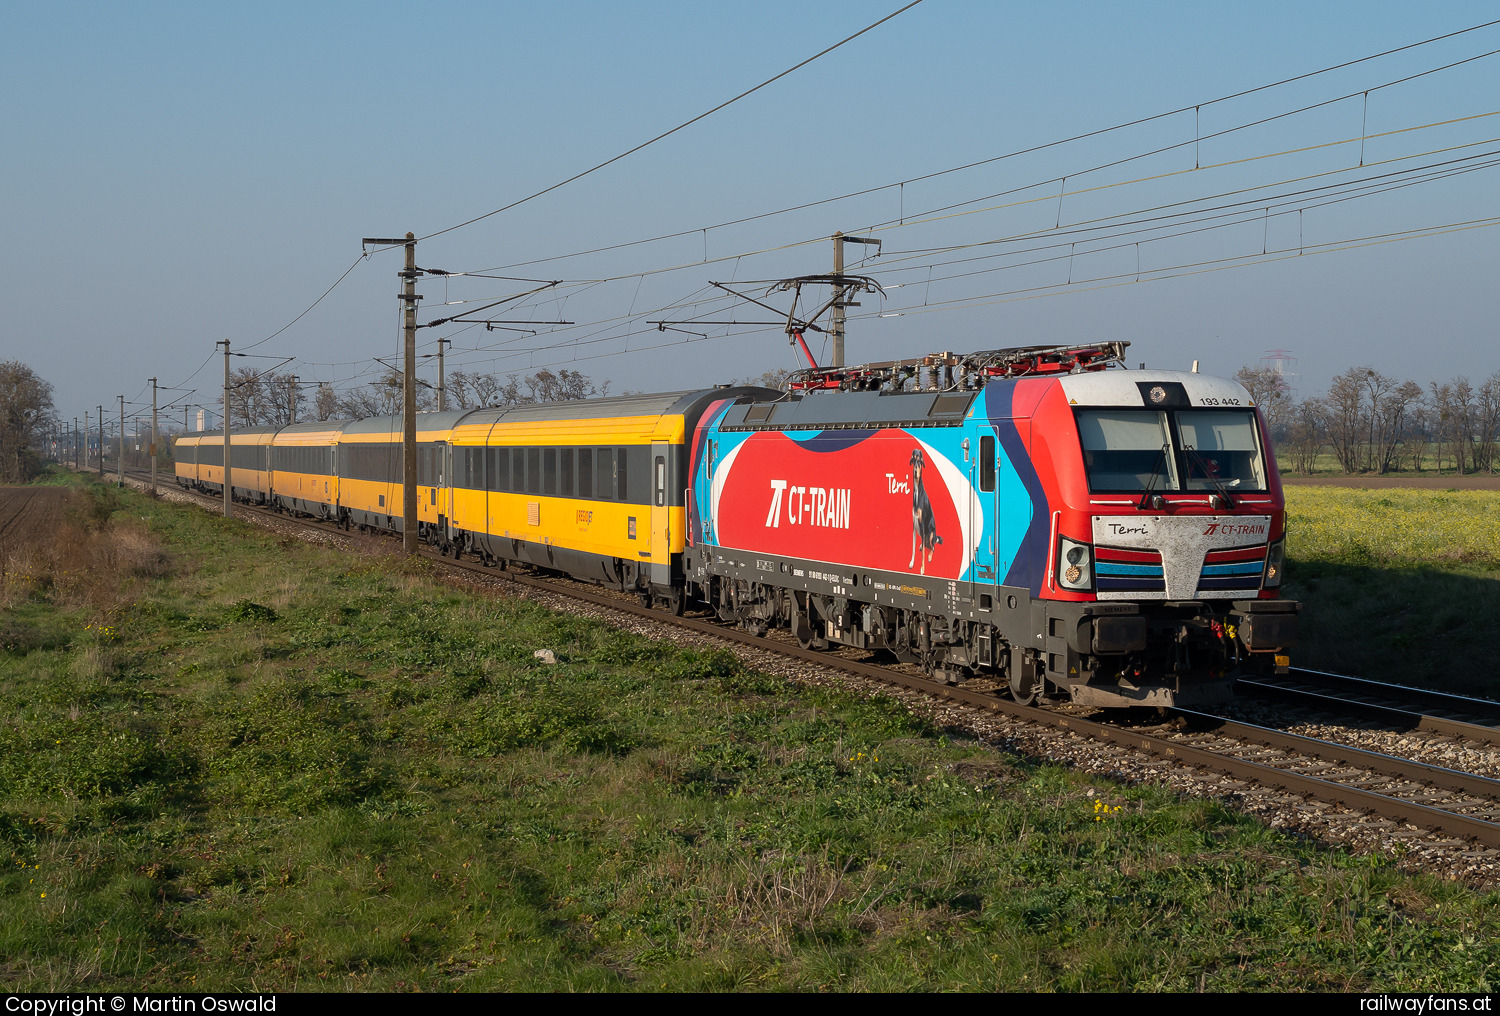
(1106, 654)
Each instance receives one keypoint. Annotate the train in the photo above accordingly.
(1040, 517)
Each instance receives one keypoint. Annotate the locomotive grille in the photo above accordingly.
(1118, 569)
(1234, 568)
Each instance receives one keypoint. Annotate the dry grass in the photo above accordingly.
(90, 557)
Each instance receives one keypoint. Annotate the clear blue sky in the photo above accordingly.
(175, 174)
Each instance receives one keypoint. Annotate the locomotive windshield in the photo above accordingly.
(1135, 450)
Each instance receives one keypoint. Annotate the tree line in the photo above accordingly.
(1371, 422)
(258, 399)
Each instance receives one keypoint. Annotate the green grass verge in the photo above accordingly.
(280, 767)
(1398, 585)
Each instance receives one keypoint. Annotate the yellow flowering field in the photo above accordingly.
(1433, 528)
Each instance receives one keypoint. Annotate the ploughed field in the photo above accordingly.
(29, 514)
(233, 760)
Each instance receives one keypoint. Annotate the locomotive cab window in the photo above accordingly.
(1136, 450)
(1219, 447)
(1127, 450)
(986, 463)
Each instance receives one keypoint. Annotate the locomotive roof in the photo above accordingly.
(1134, 387)
(851, 410)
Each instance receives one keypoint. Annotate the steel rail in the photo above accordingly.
(1403, 703)
(1388, 807)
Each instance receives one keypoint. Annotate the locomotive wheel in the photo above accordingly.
(1024, 686)
(807, 640)
(676, 601)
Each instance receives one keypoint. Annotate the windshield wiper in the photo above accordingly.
(1209, 475)
(1161, 460)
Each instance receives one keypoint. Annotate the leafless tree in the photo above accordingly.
(246, 397)
(1390, 413)
(1346, 419)
(1307, 433)
(25, 411)
(326, 402)
(1486, 424)
(1269, 388)
(283, 400)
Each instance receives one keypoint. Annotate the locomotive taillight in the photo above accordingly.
(1075, 565)
(1275, 564)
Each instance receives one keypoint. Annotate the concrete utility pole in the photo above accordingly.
(442, 387)
(120, 468)
(75, 443)
(409, 300)
(293, 397)
(101, 442)
(409, 403)
(836, 321)
(153, 435)
(228, 477)
(85, 441)
(836, 329)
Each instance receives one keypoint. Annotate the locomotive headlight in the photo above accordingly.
(1075, 564)
(1275, 564)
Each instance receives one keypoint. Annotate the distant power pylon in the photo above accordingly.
(1284, 363)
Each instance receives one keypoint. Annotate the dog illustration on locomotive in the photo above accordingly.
(1041, 516)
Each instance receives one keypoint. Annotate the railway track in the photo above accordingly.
(1445, 801)
(1468, 719)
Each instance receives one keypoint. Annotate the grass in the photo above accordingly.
(1327, 464)
(265, 765)
(1399, 585)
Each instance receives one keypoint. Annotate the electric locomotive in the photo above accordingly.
(1038, 516)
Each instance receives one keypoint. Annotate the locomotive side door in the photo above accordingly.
(987, 496)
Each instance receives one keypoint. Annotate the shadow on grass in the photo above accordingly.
(1411, 625)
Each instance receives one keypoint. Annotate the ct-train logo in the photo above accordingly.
(879, 500)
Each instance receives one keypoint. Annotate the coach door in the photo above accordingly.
(443, 463)
(661, 513)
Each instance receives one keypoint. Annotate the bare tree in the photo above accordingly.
(1390, 413)
(1376, 387)
(1486, 424)
(246, 397)
(383, 397)
(326, 402)
(1418, 434)
(564, 386)
(25, 410)
(283, 400)
(467, 390)
(1346, 419)
(1268, 387)
(1306, 433)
